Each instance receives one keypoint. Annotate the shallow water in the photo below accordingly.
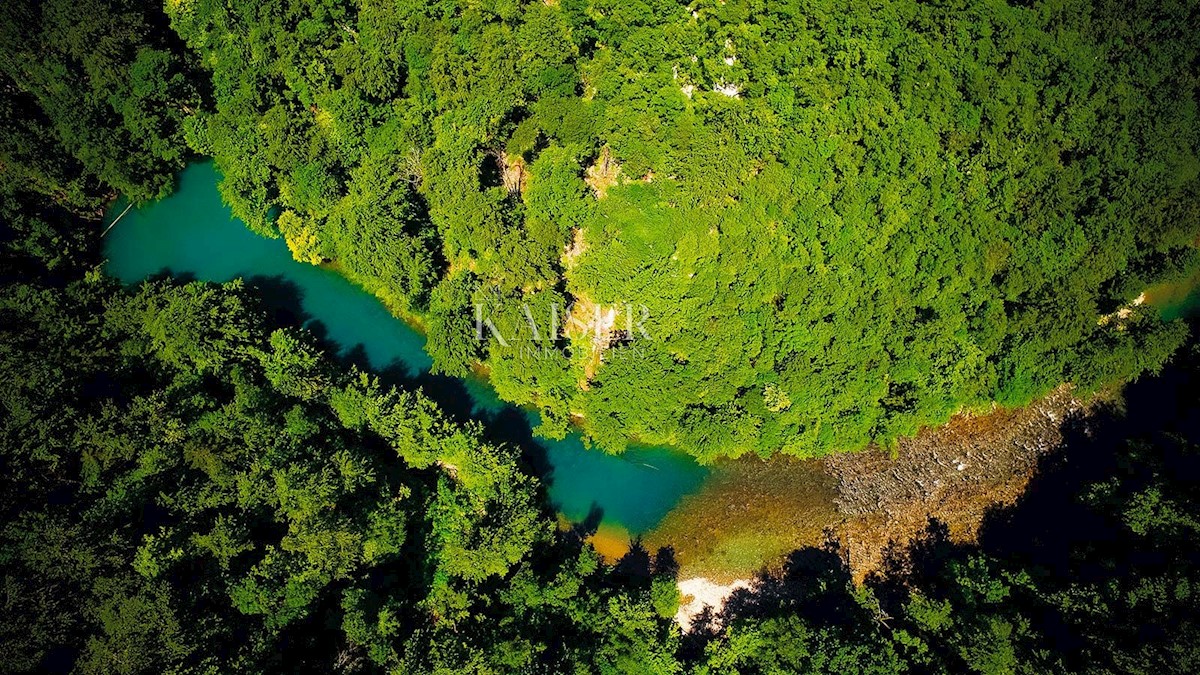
(193, 235)
(1176, 300)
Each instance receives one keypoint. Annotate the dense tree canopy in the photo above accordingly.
(734, 226)
(186, 488)
(99, 87)
(879, 213)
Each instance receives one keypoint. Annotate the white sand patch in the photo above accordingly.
(698, 593)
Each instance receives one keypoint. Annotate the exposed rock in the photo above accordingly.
(728, 89)
(592, 325)
(603, 174)
(573, 250)
(1122, 314)
(954, 473)
(512, 171)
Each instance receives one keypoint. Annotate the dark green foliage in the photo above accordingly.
(112, 89)
(39, 238)
(1093, 571)
(184, 490)
(844, 221)
(31, 160)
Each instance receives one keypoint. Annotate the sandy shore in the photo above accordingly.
(698, 593)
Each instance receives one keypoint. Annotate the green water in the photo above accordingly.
(1180, 301)
(193, 235)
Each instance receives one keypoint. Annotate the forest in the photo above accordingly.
(187, 488)
(841, 221)
(834, 222)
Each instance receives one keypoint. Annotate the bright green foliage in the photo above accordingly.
(840, 223)
(664, 593)
(903, 214)
(294, 368)
(845, 222)
(789, 645)
(452, 325)
(633, 641)
(375, 233)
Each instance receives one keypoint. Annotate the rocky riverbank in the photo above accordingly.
(954, 473)
(751, 513)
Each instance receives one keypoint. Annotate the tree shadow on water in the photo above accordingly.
(635, 566)
(282, 301)
(579, 531)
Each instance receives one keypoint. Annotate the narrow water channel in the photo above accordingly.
(193, 235)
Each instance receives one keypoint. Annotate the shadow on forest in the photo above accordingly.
(1055, 532)
(1044, 533)
(281, 301)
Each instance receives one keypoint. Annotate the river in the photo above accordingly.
(722, 523)
(193, 235)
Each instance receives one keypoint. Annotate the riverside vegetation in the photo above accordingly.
(846, 220)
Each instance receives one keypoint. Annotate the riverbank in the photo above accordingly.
(191, 234)
(723, 524)
(1176, 300)
(699, 595)
(955, 474)
(751, 513)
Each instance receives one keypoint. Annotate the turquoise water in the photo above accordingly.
(192, 234)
